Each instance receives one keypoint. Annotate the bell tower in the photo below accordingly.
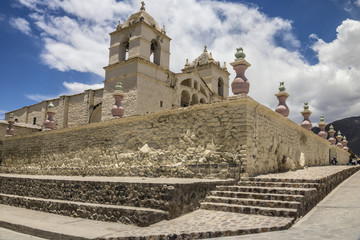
(139, 58)
(140, 36)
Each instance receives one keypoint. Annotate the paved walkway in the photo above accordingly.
(336, 217)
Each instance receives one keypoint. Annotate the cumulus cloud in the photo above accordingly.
(2, 114)
(21, 24)
(39, 97)
(78, 40)
(76, 87)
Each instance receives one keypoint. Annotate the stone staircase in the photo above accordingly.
(291, 198)
(137, 201)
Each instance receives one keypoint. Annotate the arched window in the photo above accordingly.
(202, 101)
(96, 113)
(186, 82)
(185, 99)
(202, 90)
(196, 85)
(155, 51)
(194, 99)
(124, 49)
(221, 87)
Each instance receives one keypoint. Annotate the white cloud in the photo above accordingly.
(2, 114)
(357, 3)
(79, 41)
(75, 87)
(21, 24)
(39, 97)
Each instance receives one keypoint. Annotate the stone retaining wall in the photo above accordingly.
(223, 140)
(172, 196)
(341, 156)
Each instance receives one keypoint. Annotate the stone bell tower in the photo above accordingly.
(139, 57)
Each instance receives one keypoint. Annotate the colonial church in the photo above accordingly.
(139, 57)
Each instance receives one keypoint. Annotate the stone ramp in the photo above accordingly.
(138, 201)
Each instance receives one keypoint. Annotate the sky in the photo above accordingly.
(59, 47)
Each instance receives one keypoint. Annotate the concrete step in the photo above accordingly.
(276, 190)
(101, 212)
(287, 180)
(263, 196)
(279, 184)
(254, 202)
(275, 212)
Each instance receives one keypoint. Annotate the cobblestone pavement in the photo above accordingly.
(337, 216)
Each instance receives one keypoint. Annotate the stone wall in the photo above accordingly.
(20, 130)
(276, 143)
(341, 156)
(172, 195)
(225, 139)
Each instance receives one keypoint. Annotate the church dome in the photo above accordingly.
(141, 15)
(204, 58)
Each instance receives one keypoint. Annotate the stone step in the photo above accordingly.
(101, 212)
(279, 184)
(262, 196)
(276, 190)
(275, 212)
(254, 202)
(292, 180)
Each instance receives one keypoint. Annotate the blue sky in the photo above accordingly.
(51, 48)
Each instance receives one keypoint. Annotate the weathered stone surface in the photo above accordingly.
(248, 139)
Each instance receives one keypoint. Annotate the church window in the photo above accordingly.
(34, 120)
(155, 51)
(124, 50)
(195, 85)
(194, 99)
(161, 104)
(220, 87)
(186, 82)
(185, 99)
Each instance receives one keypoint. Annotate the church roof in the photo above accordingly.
(204, 58)
(141, 15)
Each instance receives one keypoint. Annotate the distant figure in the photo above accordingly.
(333, 161)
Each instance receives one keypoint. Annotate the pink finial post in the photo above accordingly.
(306, 123)
(338, 138)
(240, 84)
(344, 142)
(282, 108)
(10, 131)
(331, 132)
(117, 109)
(49, 122)
(322, 125)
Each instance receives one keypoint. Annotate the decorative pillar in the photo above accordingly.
(49, 122)
(344, 143)
(338, 138)
(322, 125)
(117, 109)
(331, 132)
(10, 131)
(240, 84)
(282, 108)
(306, 123)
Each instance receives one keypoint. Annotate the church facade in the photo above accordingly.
(139, 58)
